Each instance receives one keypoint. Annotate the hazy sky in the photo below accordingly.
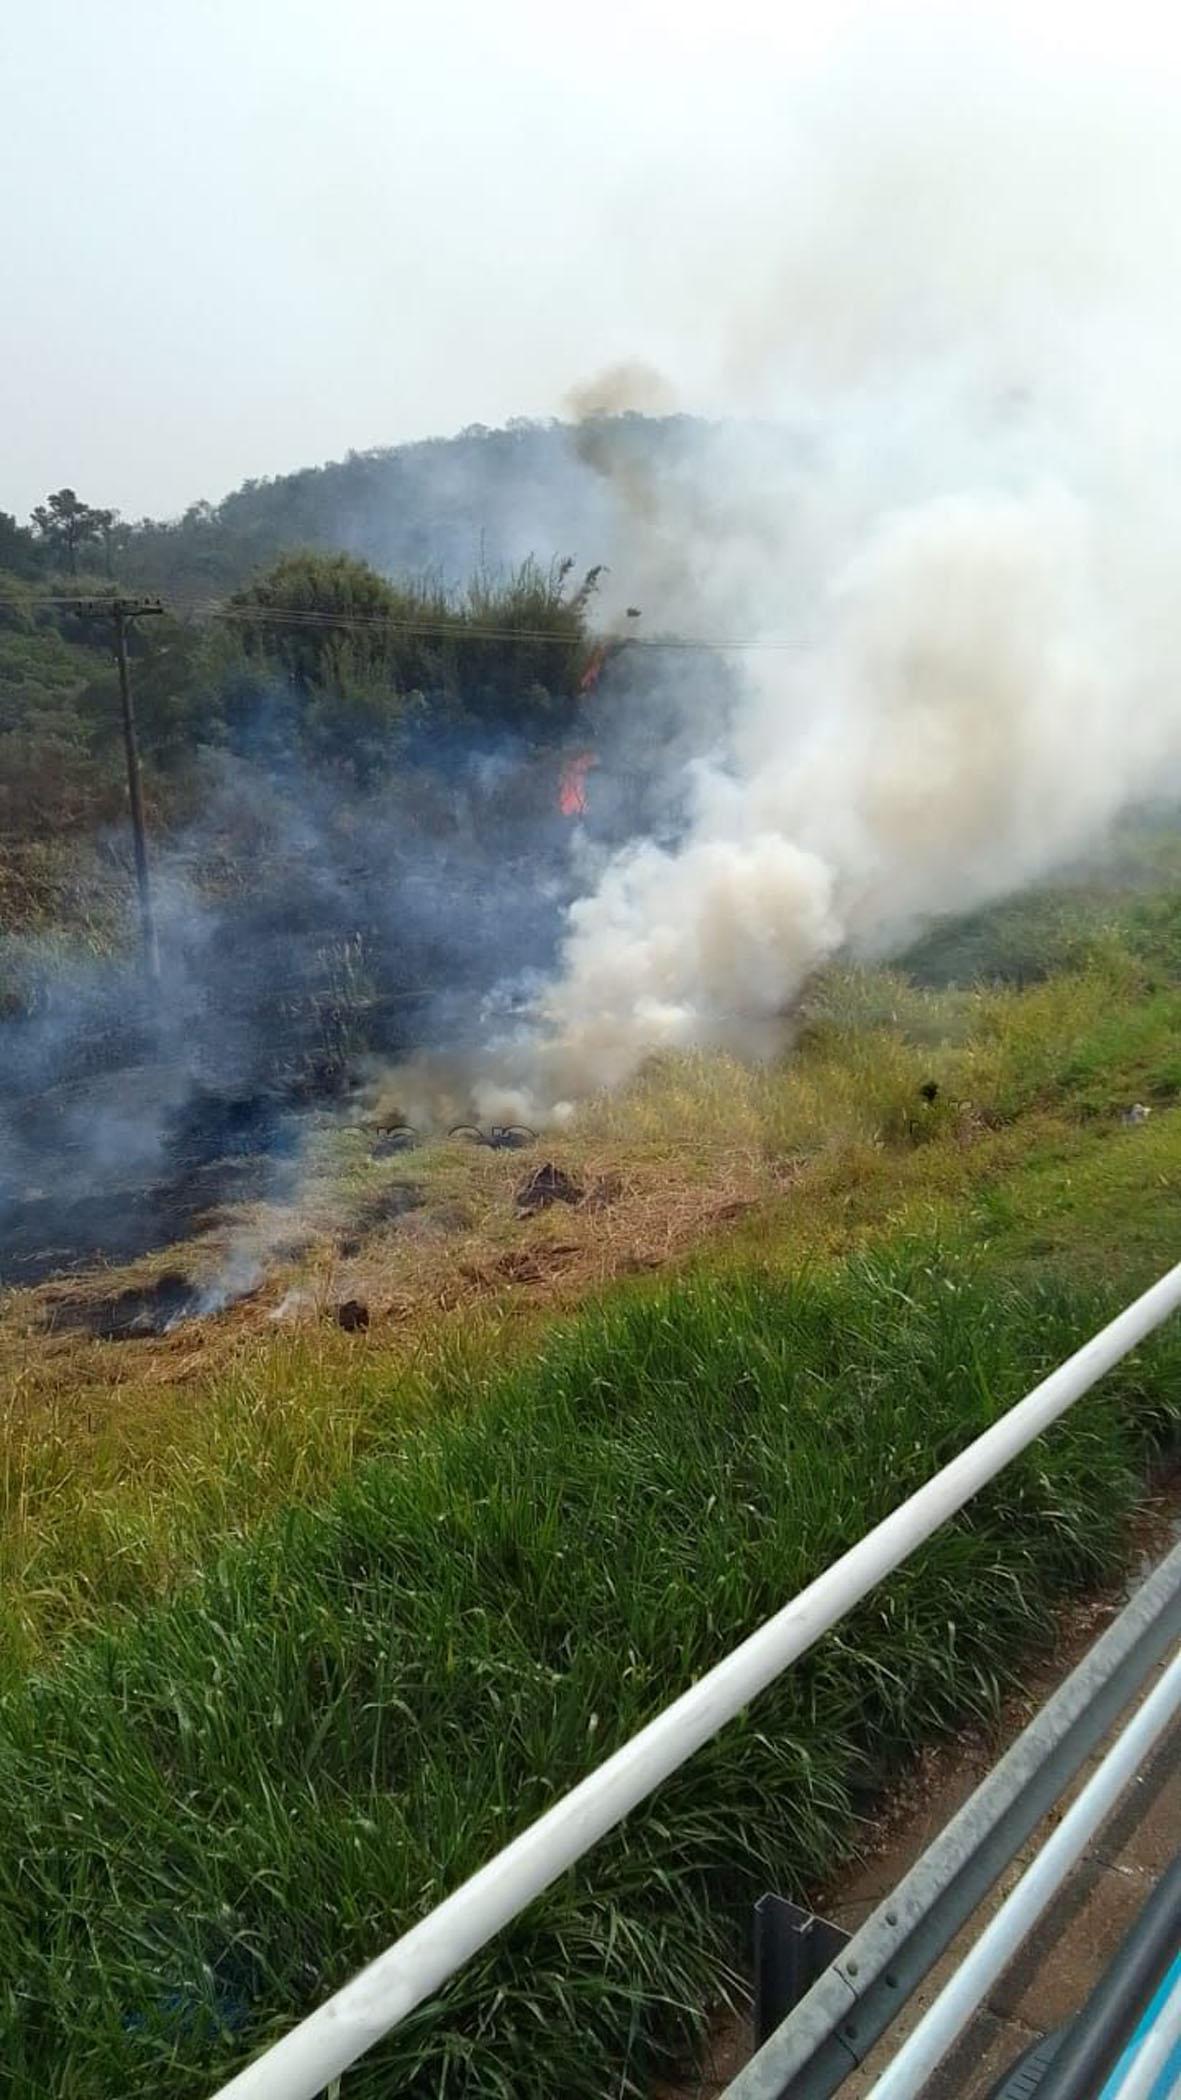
(241, 236)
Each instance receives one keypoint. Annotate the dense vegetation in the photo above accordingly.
(414, 736)
(318, 658)
(352, 784)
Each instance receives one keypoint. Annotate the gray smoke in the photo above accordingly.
(949, 558)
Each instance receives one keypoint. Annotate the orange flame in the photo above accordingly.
(590, 676)
(572, 785)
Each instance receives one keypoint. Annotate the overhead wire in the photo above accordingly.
(454, 628)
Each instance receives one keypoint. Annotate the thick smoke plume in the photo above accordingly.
(907, 638)
(945, 564)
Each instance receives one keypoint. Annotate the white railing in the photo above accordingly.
(944, 2021)
(316, 2052)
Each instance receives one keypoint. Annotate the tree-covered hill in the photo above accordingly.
(445, 506)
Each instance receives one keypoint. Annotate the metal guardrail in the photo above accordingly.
(304, 2062)
(989, 1956)
(832, 2027)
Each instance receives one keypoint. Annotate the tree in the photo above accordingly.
(19, 553)
(324, 623)
(112, 532)
(65, 523)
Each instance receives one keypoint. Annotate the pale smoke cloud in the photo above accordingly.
(631, 387)
(972, 547)
(950, 738)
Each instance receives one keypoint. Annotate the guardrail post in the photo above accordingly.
(792, 1948)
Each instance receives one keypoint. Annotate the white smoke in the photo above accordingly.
(957, 580)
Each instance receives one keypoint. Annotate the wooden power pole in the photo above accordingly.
(120, 611)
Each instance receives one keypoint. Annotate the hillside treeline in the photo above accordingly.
(444, 505)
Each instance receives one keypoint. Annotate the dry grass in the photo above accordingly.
(819, 1146)
(123, 1460)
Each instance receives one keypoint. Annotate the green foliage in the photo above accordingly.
(67, 525)
(62, 769)
(20, 554)
(322, 661)
(212, 1818)
(48, 778)
(212, 1815)
(366, 659)
(1124, 897)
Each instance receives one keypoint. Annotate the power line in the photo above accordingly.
(454, 629)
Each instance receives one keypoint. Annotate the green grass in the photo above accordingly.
(211, 1817)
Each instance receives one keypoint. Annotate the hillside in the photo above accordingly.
(442, 506)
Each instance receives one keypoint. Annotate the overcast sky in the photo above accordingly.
(242, 236)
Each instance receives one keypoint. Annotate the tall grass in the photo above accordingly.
(209, 1818)
(866, 1040)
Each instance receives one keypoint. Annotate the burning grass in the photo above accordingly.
(125, 1465)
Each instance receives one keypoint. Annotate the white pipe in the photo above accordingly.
(300, 2065)
(1151, 2059)
(940, 2025)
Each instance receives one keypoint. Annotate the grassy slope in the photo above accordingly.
(111, 1492)
(215, 1814)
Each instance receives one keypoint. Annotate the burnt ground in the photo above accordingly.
(107, 1169)
(141, 1312)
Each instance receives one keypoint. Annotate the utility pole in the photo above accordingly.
(120, 611)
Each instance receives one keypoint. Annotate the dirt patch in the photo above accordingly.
(387, 1205)
(418, 1248)
(604, 1192)
(525, 1264)
(548, 1184)
(297, 1248)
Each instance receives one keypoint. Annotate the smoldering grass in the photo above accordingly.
(120, 1476)
(214, 1815)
